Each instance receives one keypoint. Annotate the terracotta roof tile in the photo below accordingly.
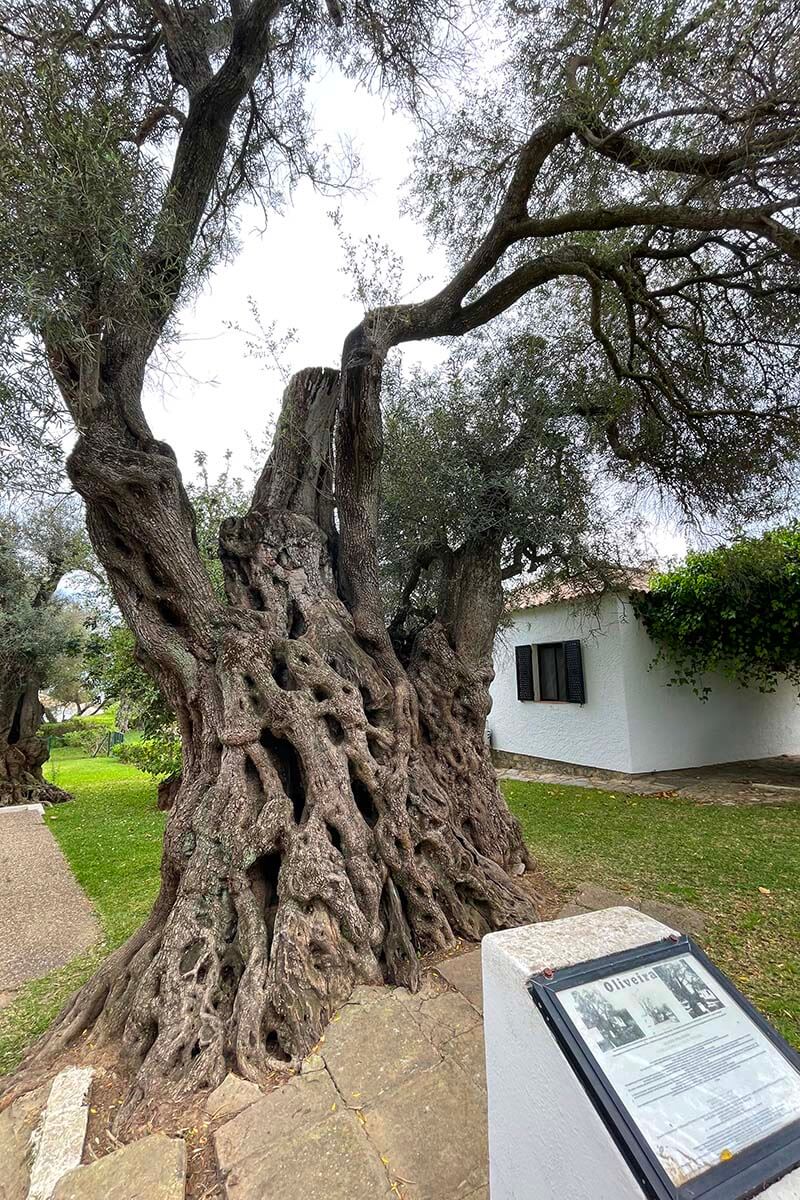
(534, 595)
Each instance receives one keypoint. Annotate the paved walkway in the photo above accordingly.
(45, 916)
(752, 781)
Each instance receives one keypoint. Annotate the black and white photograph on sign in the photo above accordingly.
(700, 1079)
(659, 1014)
(616, 1025)
(686, 985)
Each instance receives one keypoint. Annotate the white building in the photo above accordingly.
(574, 684)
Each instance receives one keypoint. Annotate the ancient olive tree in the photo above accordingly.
(631, 169)
(37, 633)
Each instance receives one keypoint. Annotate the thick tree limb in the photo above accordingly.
(214, 101)
(662, 216)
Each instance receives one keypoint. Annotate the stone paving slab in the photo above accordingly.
(17, 1123)
(153, 1168)
(372, 1044)
(464, 973)
(468, 1053)
(60, 1138)
(333, 1160)
(392, 1103)
(441, 1017)
(45, 916)
(431, 1131)
(232, 1096)
(295, 1108)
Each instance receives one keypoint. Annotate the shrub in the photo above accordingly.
(157, 756)
(735, 610)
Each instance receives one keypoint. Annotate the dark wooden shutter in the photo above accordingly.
(573, 661)
(524, 658)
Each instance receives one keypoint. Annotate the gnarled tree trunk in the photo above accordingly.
(22, 751)
(338, 812)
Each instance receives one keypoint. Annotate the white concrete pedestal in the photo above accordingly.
(546, 1141)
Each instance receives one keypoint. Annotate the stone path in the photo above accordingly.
(392, 1104)
(627, 785)
(753, 781)
(45, 916)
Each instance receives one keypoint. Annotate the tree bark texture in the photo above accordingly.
(337, 812)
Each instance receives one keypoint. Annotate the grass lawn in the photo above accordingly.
(111, 834)
(713, 857)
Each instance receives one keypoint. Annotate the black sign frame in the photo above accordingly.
(740, 1177)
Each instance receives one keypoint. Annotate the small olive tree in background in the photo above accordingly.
(39, 634)
(735, 610)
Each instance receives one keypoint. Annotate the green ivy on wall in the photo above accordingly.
(735, 610)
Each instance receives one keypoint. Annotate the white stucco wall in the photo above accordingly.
(632, 721)
(670, 727)
(592, 734)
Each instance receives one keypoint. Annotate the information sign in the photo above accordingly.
(701, 1094)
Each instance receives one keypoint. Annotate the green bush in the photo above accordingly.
(83, 739)
(157, 756)
(735, 610)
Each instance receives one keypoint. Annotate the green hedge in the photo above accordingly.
(83, 732)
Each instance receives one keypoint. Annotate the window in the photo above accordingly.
(559, 672)
(552, 672)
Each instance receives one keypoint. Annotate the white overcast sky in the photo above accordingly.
(214, 394)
